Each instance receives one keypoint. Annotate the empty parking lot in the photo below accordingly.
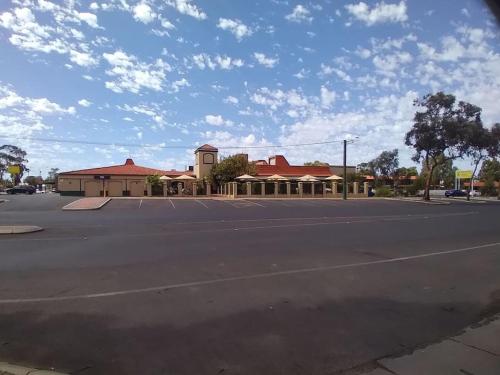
(240, 286)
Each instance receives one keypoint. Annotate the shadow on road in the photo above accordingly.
(278, 339)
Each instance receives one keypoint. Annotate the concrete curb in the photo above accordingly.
(19, 229)
(8, 369)
(69, 207)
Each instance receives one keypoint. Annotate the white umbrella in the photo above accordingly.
(165, 178)
(246, 177)
(277, 177)
(309, 178)
(334, 177)
(185, 177)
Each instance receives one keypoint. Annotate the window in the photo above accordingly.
(208, 158)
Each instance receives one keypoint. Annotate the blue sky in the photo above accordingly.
(175, 73)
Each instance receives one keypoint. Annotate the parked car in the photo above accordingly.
(455, 193)
(21, 190)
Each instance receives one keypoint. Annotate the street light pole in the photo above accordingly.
(344, 186)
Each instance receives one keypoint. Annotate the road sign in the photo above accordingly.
(463, 174)
(14, 169)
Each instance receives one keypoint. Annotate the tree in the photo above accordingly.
(52, 175)
(440, 131)
(13, 155)
(489, 174)
(33, 180)
(387, 163)
(316, 163)
(482, 145)
(229, 168)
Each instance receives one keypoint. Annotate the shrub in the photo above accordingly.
(383, 191)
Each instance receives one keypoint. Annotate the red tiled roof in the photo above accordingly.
(127, 169)
(207, 147)
(292, 170)
(279, 165)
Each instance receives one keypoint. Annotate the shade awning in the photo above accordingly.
(165, 178)
(308, 177)
(334, 177)
(185, 177)
(246, 177)
(277, 177)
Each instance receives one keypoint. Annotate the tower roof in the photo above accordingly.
(207, 147)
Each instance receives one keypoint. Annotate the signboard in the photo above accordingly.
(14, 169)
(463, 174)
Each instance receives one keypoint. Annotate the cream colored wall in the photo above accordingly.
(201, 169)
(77, 182)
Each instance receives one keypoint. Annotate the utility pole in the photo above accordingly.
(344, 186)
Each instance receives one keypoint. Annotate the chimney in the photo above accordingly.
(129, 161)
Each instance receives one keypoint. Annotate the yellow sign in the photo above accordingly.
(463, 174)
(14, 169)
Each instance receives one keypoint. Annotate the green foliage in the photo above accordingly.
(442, 130)
(316, 163)
(490, 170)
(490, 173)
(355, 177)
(52, 175)
(154, 180)
(33, 180)
(12, 155)
(383, 191)
(229, 168)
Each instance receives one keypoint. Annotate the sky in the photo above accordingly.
(173, 74)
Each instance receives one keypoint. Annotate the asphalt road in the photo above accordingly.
(241, 287)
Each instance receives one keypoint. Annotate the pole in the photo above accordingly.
(344, 186)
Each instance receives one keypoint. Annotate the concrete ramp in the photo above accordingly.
(87, 204)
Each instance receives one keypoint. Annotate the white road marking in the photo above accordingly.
(246, 277)
(172, 203)
(202, 203)
(363, 220)
(140, 203)
(255, 203)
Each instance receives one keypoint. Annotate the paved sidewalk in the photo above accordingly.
(474, 352)
(87, 204)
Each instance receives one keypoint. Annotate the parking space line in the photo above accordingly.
(172, 203)
(140, 203)
(255, 203)
(227, 202)
(200, 202)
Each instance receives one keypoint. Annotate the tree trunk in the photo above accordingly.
(428, 180)
(471, 186)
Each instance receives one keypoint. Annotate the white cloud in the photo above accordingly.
(89, 18)
(380, 13)
(262, 59)
(22, 116)
(299, 14)
(303, 73)
(388, 64)
(29, 35)
(82, 58)
(224, 62)
(153, 111)
(236, 27)
(231, 99)
(327, 70)
(187, 8)
(176, 85)
(144, 13)
(327, 97)
(84, 103)
(217, 120)
(133, 75)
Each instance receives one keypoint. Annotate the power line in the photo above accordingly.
(95, 143)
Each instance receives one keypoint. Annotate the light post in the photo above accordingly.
(344, 182)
